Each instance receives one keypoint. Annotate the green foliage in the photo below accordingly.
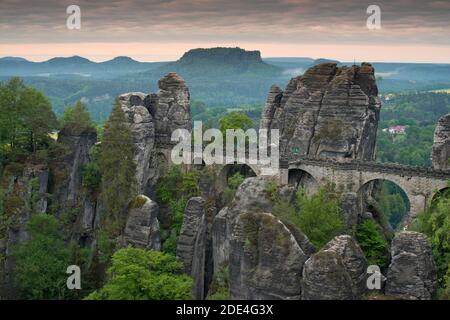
(235, 120)
(26, 120)
(372, 242)
(105, 246)
(219, 288)
(117, 168)
(419, 112)
(174, 189)
(393, 203)
(77, 116)
(137, 274)
(41, 261)
(435, 223)
(319, 216)
(91, 176)
(233, 184)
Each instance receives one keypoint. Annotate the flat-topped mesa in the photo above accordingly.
(329, 111)
(441, 146)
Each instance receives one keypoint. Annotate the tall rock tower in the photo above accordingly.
(327, 112)
(152, 118)
(441, 146)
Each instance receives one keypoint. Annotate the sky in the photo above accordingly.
(162, 30)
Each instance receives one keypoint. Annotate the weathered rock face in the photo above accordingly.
(336, 272)
(221, 234)
(26, 195)
(327, 112)
(265, 259)
(143, 130)
(152, 118)
(354, 261)
(350, 208)
(170, 108)
(412, 272)
(441, 146)
(77, 142)
(250, 197)
(193, 214)
(142, 226)
(192, 244)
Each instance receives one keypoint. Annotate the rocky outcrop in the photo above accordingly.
(143, 129)
(350, 209)
(170, 108)
(412, 272)
(265, 259)
(193, 215)
(153, 118)
(192, 244)
(24, 196)
(142, 226)
(250, 197)
(327, 112)
(336, 272)
(77, 143)
(441, 146)
(221, 234)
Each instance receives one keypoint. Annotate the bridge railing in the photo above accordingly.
(364, 165)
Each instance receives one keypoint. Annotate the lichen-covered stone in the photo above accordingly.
(412, 272)
(327, 112)
(265, 259)
(142, 226)
(441, 146)
(336, 272)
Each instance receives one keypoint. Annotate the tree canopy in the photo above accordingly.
(26, 119)
(137, 274)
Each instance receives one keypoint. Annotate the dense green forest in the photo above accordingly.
(419, 113)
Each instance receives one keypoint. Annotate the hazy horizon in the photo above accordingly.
(174, 57)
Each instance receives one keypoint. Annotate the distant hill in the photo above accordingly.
(67, 67)
(220, 62)
(219, 77)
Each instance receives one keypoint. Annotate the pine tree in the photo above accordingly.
(117, 167)
(77, 116)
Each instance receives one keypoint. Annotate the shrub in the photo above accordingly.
(233, 184)
(318, 216)
(137, 274)
(372, 243)
(219, 289)
(174, 189)
(41, 262)
(435, 223)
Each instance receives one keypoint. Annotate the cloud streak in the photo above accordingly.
(276, 22)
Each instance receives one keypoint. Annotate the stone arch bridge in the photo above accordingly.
(420, 184)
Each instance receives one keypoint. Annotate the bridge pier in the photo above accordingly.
(417, 204)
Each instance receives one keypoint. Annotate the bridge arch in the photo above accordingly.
(394, 201)
(247, 170)
(443, 192)
(303, 179)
